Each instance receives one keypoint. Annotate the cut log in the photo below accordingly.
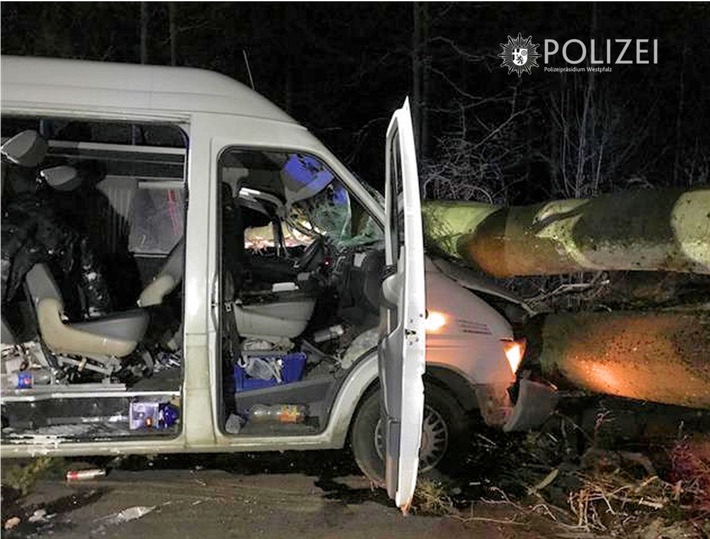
(657, 230)
(446, 221)
(655, 356)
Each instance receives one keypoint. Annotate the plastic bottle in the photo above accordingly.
(328, 333)
(277, 413)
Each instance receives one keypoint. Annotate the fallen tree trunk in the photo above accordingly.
(658, 230)
(655, 356)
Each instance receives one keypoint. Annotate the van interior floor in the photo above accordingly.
(309, 427)
(167, 380)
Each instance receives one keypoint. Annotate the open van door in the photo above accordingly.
(402, 333)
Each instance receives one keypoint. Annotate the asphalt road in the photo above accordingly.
(288, 499)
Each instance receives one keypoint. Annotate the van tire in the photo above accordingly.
(441, 409)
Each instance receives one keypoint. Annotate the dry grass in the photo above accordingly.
(650, 494)
(690, 473)
(431, 498)
(22, 476)
(607, 500)
(620, 501)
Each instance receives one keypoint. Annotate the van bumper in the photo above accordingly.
(536, 401)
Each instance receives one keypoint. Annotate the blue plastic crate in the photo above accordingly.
(292, 371)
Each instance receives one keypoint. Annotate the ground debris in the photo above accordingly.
(431, 498)
(12, 522)
(606, 499)
(132, 513)
(593, 476)
(40, 515)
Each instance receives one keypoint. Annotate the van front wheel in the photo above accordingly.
(444, 430)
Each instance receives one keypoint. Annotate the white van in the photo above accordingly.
(252, 277)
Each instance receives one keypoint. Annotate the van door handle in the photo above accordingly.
(214, 300)
(214, 293)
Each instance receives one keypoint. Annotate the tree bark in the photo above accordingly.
(654, 356)
(657, 230)
(447, 221)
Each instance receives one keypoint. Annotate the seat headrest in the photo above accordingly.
(61, 178)
(26, 149)
(174, 265)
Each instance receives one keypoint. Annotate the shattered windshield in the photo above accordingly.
(315, 202)
(326, 214)
(332, 213)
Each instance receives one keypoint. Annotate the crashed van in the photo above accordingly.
(192, 271)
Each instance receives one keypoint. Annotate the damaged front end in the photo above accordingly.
(475, 337)
(534, 402)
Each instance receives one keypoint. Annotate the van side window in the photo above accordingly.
(157, 218)
(137, 172)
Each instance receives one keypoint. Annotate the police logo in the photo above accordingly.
(519, 55)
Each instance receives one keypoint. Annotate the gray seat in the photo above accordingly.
(283, 314)
(167, 278)
(7, 338)
(26, 149)
(112, 336)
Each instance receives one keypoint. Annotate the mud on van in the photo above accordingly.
(186, 268)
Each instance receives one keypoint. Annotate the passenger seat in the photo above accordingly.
(112, 336)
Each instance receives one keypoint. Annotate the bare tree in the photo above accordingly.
(173, 33)
(420, 75)
(144, 33)
(468, 168)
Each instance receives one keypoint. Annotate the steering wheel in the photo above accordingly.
(309, 255)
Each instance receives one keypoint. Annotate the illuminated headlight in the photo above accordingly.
(514, 352)
(434, 321)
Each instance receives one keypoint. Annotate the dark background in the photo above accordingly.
(342, 68)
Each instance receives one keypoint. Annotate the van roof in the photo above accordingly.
(30, 82)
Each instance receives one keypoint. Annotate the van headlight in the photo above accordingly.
(514, 352)
(434, 321)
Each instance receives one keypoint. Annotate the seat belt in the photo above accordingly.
(230, 334)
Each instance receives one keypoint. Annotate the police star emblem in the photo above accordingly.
(519, 55)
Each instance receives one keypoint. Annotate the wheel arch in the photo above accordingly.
(441, 376)
(454, 381)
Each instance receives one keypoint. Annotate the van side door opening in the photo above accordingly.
(104, 214)
(299, 287)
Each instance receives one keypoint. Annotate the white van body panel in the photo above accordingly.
(469, 343)
(199, 435)
(216, 112)
(127, 89)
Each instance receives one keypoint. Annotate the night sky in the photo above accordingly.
(342, 68)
